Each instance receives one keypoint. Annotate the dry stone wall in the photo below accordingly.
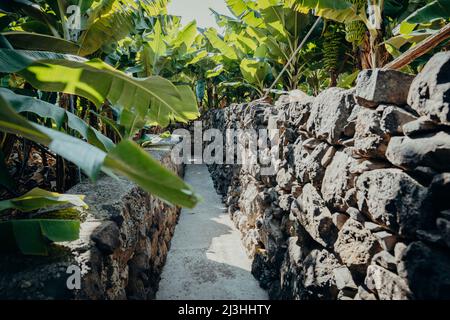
(360, 205)
(123, 245)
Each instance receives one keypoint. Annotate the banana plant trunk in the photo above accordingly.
(373, 53)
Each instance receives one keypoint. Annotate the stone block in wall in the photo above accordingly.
(392, 198)
(338, 180)
(318, 276)
(344, 279)
(339, 219)
(251, 240)
(429, 94)
(315, 217)
(251, 203)
(124, 238)
(375, 87)
(349, 129)
(307, 160)
(291, 271)
(426, 269)
(271, 232)
(356, 246)
(432, 150)
(370, 140)
(375, 127)
(364, 294)
(285, 178)
(422, 126)
(329, 114)
(386, 239)
(386, 284)
(292, 96)
(298, 112)
(254, 116)
(393, 119)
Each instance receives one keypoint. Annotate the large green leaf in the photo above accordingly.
(39, 198)
(11, 122)
(413, 37)
(155, 7)
(137, 165)
(32, 10)
(32, 236)
(159, 115)
(186, 36)
(152, 52)
(237, 7)
(245, 11)
(224, 48)
(438, 9)
(321, 4)
(16, 60)
(84, 155)
(98, 82)
(197, 56)
(40, 42)
(126, 158)
(59, 115)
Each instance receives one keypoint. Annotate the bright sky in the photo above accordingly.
(198, 10)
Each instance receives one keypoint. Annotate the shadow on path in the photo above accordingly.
(207, 259)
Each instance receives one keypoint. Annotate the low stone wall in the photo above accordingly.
(359, 207)
(124, 240)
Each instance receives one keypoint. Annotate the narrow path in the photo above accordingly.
(206, 259)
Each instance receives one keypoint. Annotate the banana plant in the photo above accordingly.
(409, 15)
(126, 158)
(266, 32)
(33, 236)
(347, 11)
(255, 72)
(76, 27)
(166, 49)
(152, 98)
(98, 82)
(24, 104)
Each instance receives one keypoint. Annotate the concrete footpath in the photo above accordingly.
(207, 259)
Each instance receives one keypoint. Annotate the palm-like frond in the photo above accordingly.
(112, 20)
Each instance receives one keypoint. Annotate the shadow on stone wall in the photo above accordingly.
(124, 239)
(359, 207)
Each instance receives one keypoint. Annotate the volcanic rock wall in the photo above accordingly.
(123, 245)
(359, 207)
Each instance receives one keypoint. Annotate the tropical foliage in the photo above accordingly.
(64, 100)
(81, 82)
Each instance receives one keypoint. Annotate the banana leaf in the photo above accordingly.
(39, 198)
(59, 115)
(438, 9)
(33, 236)
(98, 82)
(127, 158)
(40, 42)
